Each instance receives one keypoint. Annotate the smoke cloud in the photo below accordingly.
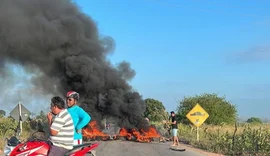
(61, 47)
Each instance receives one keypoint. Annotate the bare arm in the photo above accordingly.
(52, 132)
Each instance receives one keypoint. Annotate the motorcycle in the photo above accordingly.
(34, 146)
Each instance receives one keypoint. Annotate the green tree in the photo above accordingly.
(155, 110)
(254, 120)
(39, 122)
(219, 109)
(2, 113)
(42, 116)
(7, 125)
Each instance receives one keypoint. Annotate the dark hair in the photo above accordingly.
(58, 102)
(172, 112)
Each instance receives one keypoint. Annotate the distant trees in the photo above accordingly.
(2, 113)
(41, 116)
(254, 120)
(219, 109)
(39, 122)
(155, 110)
(7, 125)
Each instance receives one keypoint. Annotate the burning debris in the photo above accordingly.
(92, 132)
(61, 47)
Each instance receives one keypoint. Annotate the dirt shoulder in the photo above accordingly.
(199, 150)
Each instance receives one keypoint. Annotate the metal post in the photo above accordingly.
(20, 117)
(198, 134)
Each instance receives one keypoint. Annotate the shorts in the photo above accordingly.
(174, 132)
(77, 142)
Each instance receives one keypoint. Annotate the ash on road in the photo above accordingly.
(129, 148)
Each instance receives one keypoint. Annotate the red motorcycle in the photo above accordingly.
(35, 146)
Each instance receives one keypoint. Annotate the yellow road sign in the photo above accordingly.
(197, 115)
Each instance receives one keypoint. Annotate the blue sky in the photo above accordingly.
(185, 47)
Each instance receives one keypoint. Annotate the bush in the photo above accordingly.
(7, 127)
(254, 120)
(221, 110)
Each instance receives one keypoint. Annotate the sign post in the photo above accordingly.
(20, 118)
(20, 114)
(197, 116)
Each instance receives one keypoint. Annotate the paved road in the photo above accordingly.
(124, 148)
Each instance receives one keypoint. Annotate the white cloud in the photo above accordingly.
(255, 54)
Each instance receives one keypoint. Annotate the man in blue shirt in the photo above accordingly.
(79, 116)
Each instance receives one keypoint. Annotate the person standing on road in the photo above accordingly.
(79, 116)
(61, 128)
(174, 129)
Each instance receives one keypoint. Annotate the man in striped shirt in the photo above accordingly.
(61, 128)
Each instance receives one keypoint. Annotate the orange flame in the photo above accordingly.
(141, 136)
(92, 131)
(123, 132)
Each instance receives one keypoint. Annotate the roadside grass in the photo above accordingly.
(239, 139)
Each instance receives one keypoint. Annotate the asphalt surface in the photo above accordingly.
(130, 148)
(124, 148)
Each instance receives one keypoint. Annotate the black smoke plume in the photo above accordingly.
(60, 44)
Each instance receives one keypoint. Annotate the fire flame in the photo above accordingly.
(141, 135)
(92, 131)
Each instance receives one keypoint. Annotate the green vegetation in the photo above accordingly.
(2, 113)
(242, 139)
(254, 120)
(8, 126)
(155, 110)
(220, 133)
(220, 110)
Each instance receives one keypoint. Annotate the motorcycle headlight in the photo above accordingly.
(7, 150)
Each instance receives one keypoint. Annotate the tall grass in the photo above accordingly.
(239, 139)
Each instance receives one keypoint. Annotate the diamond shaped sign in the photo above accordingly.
(15, 113)
(197, 115)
